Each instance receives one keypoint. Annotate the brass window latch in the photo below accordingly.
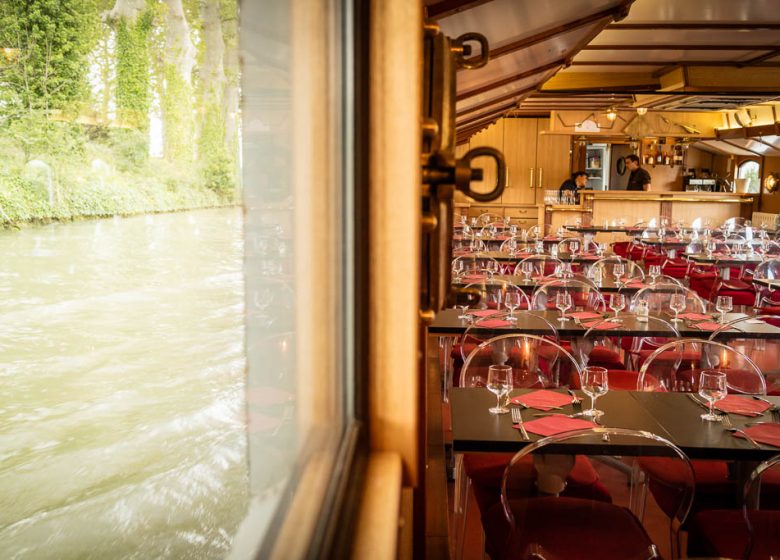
(442, 172)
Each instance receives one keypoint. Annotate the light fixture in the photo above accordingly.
(772, 182)
(612, 114)
(641, 111)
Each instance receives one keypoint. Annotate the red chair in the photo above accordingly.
(552, 526)
(749, 533)
(620, 248)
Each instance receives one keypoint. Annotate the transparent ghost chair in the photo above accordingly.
(571, 245)
(474, 267)
(493, 295)
(752, 531)
(489, 217)
(631, 270)
(584, 296)
(763, 351)
(543, 265)
(536, 520)
(658, 297)
(767, 270)
(512, 246)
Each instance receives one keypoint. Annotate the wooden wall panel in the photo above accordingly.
(493, 137)
(553, 157)
(718, 213)
(520, 154)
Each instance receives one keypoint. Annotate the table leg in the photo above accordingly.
(725, 272)
(742, 471)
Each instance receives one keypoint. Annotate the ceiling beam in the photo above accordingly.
(759, 59)
(693, 26)
(555, 64)
(678, 47)
(495, 112)
(551, 32)
(743, 148)
(728, 65)
(591, 80)
(495, 100)
(765, 143)
(748, 131)
(446, 8)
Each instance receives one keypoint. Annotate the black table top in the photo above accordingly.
(605, 229)
(607, 285)
(768, 282)
(670, 415)
(723, 260)
(532, 322)
(568, 257)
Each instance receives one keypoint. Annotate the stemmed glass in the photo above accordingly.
(574, 247)
(563, 304)
(594, 384)
(654, 271)
(463, 309)
(491, 267)
(507, 219)
(527, 268)
(677, 304)
(599, 249)
(617, 302)
(539, 247)
(723, 304)
(457, 268)
(512, 301)
(499, 382)
(711, 246)
(618, 270)
(712, 387)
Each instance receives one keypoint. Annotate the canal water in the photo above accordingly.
(122, 388)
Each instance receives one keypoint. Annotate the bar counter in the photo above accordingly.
(599, 207)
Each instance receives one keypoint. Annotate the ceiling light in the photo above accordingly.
(641, 111)
(772, 182)
(612, 114)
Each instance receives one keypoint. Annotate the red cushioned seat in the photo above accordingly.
(620, 248)
(565, 528)
(606, 358)
(723, 533)
(669, 356)
(486, 469)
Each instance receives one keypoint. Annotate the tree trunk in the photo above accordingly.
(230, 98)
(211, 135)
(127, 10)
(177, 102)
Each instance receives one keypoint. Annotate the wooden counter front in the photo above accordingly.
(633, 206)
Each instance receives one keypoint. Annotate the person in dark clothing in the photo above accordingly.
(575, 183)
(639, 179)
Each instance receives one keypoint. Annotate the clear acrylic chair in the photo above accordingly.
(632, 270)
(659, 295)
(474, 267)
(752, 532)
(584, 296)
(535, 519)
(544, 265)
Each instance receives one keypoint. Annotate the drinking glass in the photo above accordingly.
(711, 246)
(599, 249)
(491, 267)
(457, 268)
(463, 309)
(723, 304)
(527, 268)
(712, 387)
(654, 271)
(499, 382)
(539, 247)
(507, 219)
(617, 302)
(574, 247)
(618, 270)
(463, 219)
(594, 384)
(677, 304)
(563, 303)
(512, 301)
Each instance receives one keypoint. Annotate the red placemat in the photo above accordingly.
(763, 433)
(590, 257)
(555, 424)
(484, 312)
(475, 277)
(493, 323)
(601, 325)
(543, 399)
(639, 285)
(735, 404)
(551, 238)
(695, 316)
(708, 326)
(583, 315)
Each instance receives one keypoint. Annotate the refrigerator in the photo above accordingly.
(597, 166)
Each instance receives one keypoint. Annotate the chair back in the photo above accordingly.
(631, 269)
(677, 365)
(544, 265)
(540, 526)
(658, 296)
(493, 294)
(584, 296)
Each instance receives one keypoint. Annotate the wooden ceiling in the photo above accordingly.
(684, 55)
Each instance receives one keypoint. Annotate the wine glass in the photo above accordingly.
(512, 301)
(712, 387)
(574, 247)
(491, 267)
(617, 302)
(723, 304)
(711, 246)
(594, 384)
(499, 382)
(457, 268)
(563, 303)
(599, 249)
(618, 270)
(463, 308)
(654, 271)
(539, 247)
(677, 304)
(527, 268)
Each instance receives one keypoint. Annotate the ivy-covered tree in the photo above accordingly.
(51, 40)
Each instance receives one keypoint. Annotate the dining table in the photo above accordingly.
(529, 285)
(724, 262)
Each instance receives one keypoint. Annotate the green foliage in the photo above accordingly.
(39, 137)
(130, 149)
(218, 175)
(133, 93)
(177, 110)
(53, 39)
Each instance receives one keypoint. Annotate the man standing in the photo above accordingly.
(639, 179)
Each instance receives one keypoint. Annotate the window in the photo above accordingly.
(750, 170)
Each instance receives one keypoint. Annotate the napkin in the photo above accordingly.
(708, 326)
(590, 257)
(551, 238)
(762, 433)
(601, 325)
(583, 315)
(555, 424)
(484, 312)
(636, 284)
(543, 399)
(474, 277)
(493, 323)
(695, 316)
(746, 406)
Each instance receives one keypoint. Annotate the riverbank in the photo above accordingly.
(24, 201)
